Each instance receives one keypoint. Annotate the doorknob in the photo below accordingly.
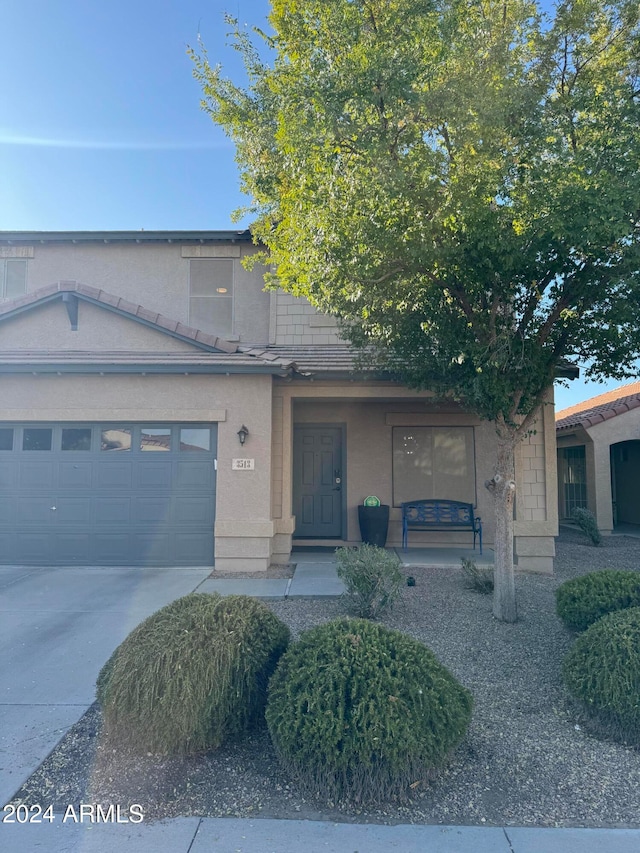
(54, 508)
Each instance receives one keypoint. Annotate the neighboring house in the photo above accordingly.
(599, 457)
(131, 361)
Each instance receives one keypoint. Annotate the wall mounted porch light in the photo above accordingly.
(243, 432)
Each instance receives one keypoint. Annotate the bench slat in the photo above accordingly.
(440, 514)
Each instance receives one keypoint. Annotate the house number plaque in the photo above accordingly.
(243, 464)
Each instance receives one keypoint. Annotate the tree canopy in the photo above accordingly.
(458, 180)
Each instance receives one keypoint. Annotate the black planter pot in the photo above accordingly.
(374, 522)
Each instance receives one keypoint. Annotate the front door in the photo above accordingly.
(317, 482)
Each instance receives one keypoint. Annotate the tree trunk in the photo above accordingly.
(503, 488)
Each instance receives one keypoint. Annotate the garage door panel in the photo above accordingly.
(34, 547)
(151, 548)
(108, 511)
(36, 475)
(112, 549)
(73, 548)
(8, 474)
(75, 511)
(148, 510)
(35, 509)
(193, 549)
(75, 475)
(153, 475)
(109, 474)
(194, 476)
(67, 501)
(7, 548)
(7, 510)
(193, 511)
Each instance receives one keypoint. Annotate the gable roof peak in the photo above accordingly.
(111, 302)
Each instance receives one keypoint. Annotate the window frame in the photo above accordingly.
(472, 497)
(230, 297)
(3, 276)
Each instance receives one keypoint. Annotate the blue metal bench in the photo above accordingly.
(432, 514)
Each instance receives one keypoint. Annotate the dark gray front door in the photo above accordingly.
(317, 482)
(107, 494)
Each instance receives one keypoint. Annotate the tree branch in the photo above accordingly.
(447, 143)
(534, 298)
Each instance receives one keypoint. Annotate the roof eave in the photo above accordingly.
(52, 367)
(566, 370)
(19, 237)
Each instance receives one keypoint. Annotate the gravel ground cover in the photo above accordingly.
(528, 758)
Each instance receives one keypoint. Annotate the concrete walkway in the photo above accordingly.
(315, 573)
(233, 835)
(58, 626)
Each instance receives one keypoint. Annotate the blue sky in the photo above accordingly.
(101, 127)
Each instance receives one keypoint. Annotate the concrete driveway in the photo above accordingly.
(57, 628)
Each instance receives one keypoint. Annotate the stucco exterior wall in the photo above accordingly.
(156, 276)
(47, 328)
(622, 427)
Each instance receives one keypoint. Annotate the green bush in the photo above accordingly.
(602, 671)
(583, 600)
(586, 521)
(192, 674)
(359, 712)
(372, 579)
(477, 578)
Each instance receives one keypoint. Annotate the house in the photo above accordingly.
(599, 457)
(159, 407)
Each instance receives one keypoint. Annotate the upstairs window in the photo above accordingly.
(211, 296)
(13, 278)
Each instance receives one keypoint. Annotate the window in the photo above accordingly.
(155, 439)
(115, 438)
(195, 439)
(433, 462)
(573, 467)
(34, 438)
(13, 278)
(76, 439)
(6, 439)
(211, 296)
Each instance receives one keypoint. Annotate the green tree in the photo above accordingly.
(458, 181)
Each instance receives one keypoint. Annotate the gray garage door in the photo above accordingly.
(107, 494)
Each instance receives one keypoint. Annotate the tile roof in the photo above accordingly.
(600, 408)
(308, 360)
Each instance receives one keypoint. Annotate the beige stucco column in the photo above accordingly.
(281, 456)
(244, 527)
(602, 481)
(536, 521)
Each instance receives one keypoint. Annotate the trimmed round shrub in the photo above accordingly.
(359, 712)
(581, 601)
(192, 674)
(602, 671)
